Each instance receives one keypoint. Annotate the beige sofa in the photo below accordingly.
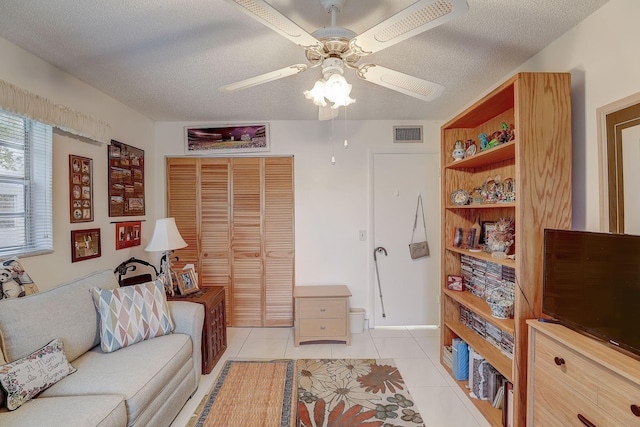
(146, 383)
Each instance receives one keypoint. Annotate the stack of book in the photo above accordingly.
(478, 282)
(479, 325)
(466, 316)
(447, 356)
(494, 334)
(509, 281)
(493, 278)
(506, 344)
(466, 271)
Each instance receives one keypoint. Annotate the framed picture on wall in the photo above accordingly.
(128, 234)
(235, 139)
(85, 244)
(80, 189)
(126, 180)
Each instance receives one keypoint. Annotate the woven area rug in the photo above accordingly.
(250, 394)
(353, 392)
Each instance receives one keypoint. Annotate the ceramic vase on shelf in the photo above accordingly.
(458, 151)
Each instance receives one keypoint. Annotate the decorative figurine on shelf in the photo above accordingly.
(506, 134)
(471, 148)
(484, 141)
(500, 240)
(458, 151)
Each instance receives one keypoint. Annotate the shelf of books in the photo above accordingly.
(493, 414)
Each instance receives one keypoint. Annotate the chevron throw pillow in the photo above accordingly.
(131, 314)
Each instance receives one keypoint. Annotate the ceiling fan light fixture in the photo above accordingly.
(316, 94)
(337, 90)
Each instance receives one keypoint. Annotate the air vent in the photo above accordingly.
(403, 134)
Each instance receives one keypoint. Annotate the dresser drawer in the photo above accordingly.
(617, 394)
(323, 327)
(575, 371)
(317, 308)
(555, 404)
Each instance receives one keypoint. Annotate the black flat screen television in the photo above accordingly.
(592, 284)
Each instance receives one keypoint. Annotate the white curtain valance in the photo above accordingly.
(25, 103)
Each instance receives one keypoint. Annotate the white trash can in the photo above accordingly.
(356, 320)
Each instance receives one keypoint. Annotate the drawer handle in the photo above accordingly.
(636, 410)
(322, 309)
(559, 360)
(585, 421)
(322, 328)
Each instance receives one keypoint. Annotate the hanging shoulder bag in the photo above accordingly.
(419, 249)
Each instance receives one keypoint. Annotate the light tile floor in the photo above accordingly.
(415, 351)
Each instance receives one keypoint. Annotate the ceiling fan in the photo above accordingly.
(335, 48)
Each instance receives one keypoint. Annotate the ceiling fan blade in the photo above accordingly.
(400, 82)
(411, 21)
(266, 14)
(264, 78)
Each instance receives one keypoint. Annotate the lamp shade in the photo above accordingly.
(166, 236)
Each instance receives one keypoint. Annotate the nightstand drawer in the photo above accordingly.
(323, 327)
(323, 308)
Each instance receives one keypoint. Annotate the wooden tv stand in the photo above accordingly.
(577, 380)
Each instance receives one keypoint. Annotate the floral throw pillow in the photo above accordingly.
(131, 314)
(14, 281)
(25, 378)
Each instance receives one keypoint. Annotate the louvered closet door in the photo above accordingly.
(182, 196)
(246, 242)
(215, 225)
(278, 241)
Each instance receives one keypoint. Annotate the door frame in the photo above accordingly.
(371, 275)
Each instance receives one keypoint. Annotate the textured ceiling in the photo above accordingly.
(167, 58)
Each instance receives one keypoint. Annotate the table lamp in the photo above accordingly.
(166, 238)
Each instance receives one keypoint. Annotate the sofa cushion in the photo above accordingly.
(69, 411)
(131, 314)
(21, 280)
(65, 312)
(139, 372)
(25, 378)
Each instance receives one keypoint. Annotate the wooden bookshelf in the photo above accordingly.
(538, 105)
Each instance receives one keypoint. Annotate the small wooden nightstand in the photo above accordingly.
(322, 313)
(214, 332)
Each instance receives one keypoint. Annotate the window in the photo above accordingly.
(25, 186)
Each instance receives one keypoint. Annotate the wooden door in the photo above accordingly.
(237, 217)
(182, 204)
(278, 241)
(215, 225)
(246, 242)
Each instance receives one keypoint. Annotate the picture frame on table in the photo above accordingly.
(187, 282)
(85, 244)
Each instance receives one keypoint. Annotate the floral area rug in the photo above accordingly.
(353, 392)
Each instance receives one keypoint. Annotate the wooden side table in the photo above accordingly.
(322, 313)
(214, 332)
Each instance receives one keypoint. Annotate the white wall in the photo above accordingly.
(601, 53)
(331, 202)
(30, 73)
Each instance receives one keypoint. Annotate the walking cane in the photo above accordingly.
(375, 260)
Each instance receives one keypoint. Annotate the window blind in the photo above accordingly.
(25, 186)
